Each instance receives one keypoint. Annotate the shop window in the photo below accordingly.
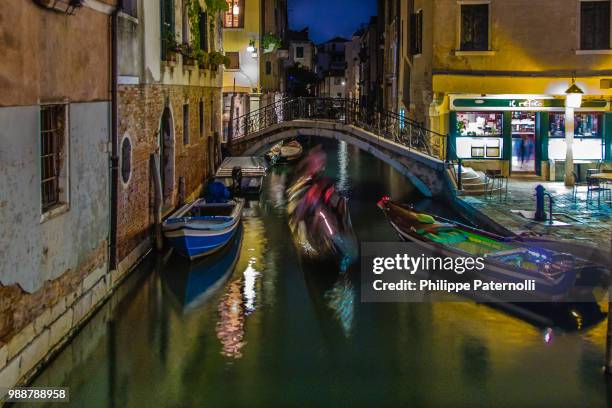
(474, 27)
(234, 16)
(186, 124)
(586, 125)
(53, 155)
(126, 160)
(595, 25)
(299, 52)
(234, 60)
(479, 135)
(416, 35)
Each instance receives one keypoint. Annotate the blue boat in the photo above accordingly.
(202, 228)
(193, 284)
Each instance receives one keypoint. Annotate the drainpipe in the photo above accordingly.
(114, 158)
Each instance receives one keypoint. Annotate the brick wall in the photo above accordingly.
(140, 111)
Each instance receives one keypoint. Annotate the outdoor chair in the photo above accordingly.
(498, 180)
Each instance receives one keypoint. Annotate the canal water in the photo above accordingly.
(256, 327)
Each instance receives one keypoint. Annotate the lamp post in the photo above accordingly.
(573, 101)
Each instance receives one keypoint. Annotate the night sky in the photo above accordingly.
(330, 18)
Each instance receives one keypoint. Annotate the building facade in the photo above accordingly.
(274, 50)
(242, 35)
(498, 90)
(302, 51)
(353, 66)
(169, 106)
(55, 131)
(331, 56)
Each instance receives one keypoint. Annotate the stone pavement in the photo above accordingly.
(587, 223)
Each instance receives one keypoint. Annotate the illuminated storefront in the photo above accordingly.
(525, 134)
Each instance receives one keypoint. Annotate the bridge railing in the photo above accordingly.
(385, 124)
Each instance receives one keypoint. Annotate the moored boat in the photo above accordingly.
(202, 228)
(556, 275)
(291, 151)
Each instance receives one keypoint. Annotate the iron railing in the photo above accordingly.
(385, 124)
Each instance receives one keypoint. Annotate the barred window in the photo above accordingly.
(416, 38)
(474, 27)
(234, 60)
(52, 134)
(202, 117)
(595, 25)
(126, 160)
(186, 123)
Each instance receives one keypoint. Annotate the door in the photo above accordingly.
(524, 142)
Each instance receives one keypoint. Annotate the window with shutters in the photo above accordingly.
(474, 27)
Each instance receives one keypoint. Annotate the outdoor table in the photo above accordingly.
(578, 164)
(605, 177)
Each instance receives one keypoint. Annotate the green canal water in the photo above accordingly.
(271, 331)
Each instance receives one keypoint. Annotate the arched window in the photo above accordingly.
(126, 160)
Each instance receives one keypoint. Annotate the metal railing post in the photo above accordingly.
(459, 171)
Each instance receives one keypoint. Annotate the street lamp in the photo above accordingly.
(251, 46)
(573, 101)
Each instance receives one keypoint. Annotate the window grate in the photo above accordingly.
(52, 135)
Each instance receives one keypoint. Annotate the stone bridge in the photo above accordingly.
(427, 173)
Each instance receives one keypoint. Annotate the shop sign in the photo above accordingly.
(520, 104)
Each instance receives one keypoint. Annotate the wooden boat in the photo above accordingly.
(200, 228)
(285, 152)
(556, 274)
(291, 151)
(242, 175)
(193, 284)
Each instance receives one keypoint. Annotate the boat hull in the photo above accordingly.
(195, 244)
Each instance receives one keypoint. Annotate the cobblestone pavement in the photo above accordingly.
(588, 223)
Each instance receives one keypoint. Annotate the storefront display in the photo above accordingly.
(523, 141)
(588, 130)
(479, 135)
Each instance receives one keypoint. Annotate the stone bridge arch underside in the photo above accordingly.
(428, 174)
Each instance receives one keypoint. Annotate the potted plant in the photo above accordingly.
(203, 59)
(270, 42)
(189, 55)
(216, 59)
(171, 46)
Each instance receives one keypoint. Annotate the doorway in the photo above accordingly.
(166, 153)
(524, 142)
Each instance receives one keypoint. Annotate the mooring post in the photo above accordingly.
(540, 214)
(155, 169)
(459, 171)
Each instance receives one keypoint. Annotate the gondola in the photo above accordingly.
(282, 152)
(321, 228)
(557, 275)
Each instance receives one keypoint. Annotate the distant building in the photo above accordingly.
(331, 56)
(371, 65)
(353, 66)
(273, 71)
(333, 85)
(301, 49)
(482, 73)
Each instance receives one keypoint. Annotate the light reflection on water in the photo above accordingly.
(280, 332)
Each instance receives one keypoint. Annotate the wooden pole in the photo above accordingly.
(155, 170)
(608, 367)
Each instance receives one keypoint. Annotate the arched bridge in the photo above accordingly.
(404, 144)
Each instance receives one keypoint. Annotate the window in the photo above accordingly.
(479, 124)
(130, 7)
(587, 125)
(416, 35)
(168, 34)
(126, 160)
(186, 123)
(53, 155)
(268, 68)
(202, 117)
(595, 25)
(337, 81)
(474, 27)
(234, 58)
(234, 16)
(299, 52)
(204, 32)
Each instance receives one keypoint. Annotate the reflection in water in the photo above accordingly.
(343, 184)
(239, 300)
(296, 338)
(341, 299)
